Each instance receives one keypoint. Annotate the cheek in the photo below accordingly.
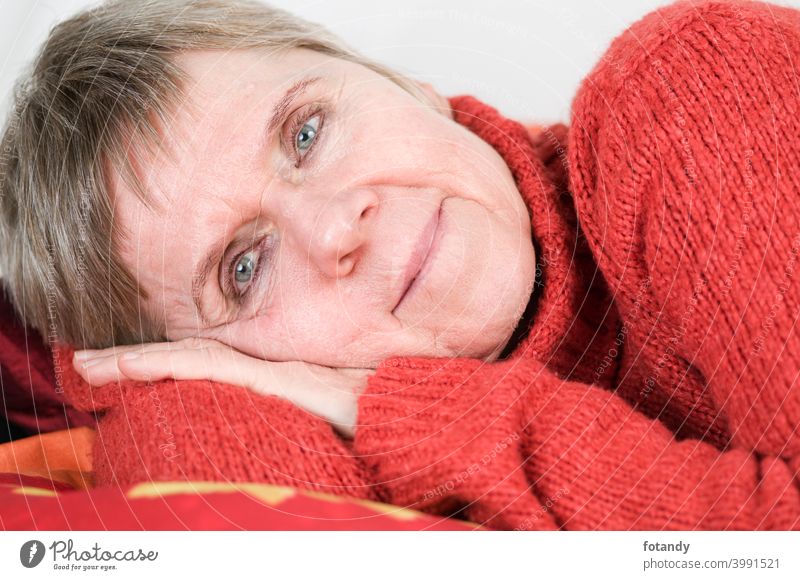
(276, 338)
(486, 271)
(396, 135)
(315, 320)
(316, 335)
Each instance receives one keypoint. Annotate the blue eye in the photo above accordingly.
(305, 136)
(245, 268)
(244, 272)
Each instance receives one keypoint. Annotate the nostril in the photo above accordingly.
(345, 266)
(367, 211)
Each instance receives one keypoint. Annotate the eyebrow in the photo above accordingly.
(205, 265)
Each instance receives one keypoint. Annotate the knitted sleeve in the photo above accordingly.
(200, 430)
(443, 436)
(688, 170)
(511, 445)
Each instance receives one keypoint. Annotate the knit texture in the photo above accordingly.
(651, 382)
(207, 431)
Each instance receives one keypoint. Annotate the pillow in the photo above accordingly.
(28, 503)
(59, 456)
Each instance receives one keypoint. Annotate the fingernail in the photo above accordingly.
(82, 354)
(92, 361)
(131, 355)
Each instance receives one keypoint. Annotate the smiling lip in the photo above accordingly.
(423, 250)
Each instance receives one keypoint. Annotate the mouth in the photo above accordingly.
(424, 250)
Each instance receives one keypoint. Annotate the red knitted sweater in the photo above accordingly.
(651, 384)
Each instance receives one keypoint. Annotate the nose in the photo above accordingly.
(336, 228)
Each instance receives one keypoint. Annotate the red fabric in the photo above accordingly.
(31, 503)
(31, 400)
(655, 386)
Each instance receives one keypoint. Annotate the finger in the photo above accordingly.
(117, 351)
(98, 371)
(86, 354)
(222, 365)
(106, 368)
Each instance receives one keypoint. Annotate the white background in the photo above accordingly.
(525, 57)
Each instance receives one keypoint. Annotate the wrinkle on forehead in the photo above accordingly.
(170, 139)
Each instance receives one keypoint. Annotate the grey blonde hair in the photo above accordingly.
(104, 78)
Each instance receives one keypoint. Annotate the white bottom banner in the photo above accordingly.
(387, 555)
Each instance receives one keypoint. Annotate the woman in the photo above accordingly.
(617, 353)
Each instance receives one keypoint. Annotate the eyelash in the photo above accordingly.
(292, 128)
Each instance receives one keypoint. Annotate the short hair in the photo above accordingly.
(104, 79)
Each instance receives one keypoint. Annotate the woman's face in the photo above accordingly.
(296, 236)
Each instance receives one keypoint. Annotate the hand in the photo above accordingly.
(330, 393)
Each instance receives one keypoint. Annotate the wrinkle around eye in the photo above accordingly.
(216, 312)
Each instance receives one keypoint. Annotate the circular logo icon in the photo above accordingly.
(31, 553)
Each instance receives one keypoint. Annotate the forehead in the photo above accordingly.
(216, 122)
(222, 107)
(225, 90)
(221, 71)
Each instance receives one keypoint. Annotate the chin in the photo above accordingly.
(484, 345)
(493, 321)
